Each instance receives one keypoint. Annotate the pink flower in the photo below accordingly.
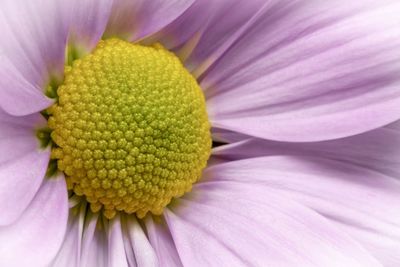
(303, 98)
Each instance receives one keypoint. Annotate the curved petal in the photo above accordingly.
(137, 19)
(199, 35)
(88, 21)
(226, 136)
(378, 150)
(32, 47)
(19, 182)
(162, 242)
(138, 245)
(362, 202)
(220, 34)
(70, 252)
(31, 52)
(129, 250)
(184, 33)
(34, 239)
(384, 248)
(309, 71)
(22, 164)
(233, 224)
(116, 249)
(18, 95)
(94, 241)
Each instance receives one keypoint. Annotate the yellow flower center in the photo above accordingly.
(130, 127)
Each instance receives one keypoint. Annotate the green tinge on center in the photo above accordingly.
(130, 127)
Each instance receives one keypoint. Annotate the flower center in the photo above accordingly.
(130, 127)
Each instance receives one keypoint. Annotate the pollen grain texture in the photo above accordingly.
(130, 127)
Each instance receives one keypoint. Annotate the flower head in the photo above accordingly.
(109, 110)
(130, 128)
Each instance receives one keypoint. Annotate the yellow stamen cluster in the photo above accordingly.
(130, 127)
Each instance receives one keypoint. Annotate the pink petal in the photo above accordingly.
(199, 35)
(378, 149)
(137, 19)
(18, 95)
(138, 245)
(309, 71)
(94, 242)
(22, 164)
(34, 239)
(362, 202)
(32, 47)
(116, 249)
(129, 251)
(88, 20)
(162, 242)
(219, 35)
(384, 248)
(70, 252)
(226, 136)
(233, 224)
(31, 51)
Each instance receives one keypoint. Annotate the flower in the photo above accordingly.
(303, 96)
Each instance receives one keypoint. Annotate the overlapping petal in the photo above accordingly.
(116, 249)
(70, 251)
(30, 54)
(137, 247)
(234, 224)
(377, 149)
(200, 39)
(94, 242)
(363, 202)
(34, 239)
(309, 71)
(22, 164)
(85, 239)
(87, 22)
(33, 43)
(134, 20)
(162, 242)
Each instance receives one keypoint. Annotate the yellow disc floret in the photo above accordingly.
(130, 127)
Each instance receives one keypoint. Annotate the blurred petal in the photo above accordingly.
(209, 227)
(116, 250)
(22, 164)
(34, 239)
(363, 202)
(138, 245)
(309, 71)
(162, 242)
(137, 19)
